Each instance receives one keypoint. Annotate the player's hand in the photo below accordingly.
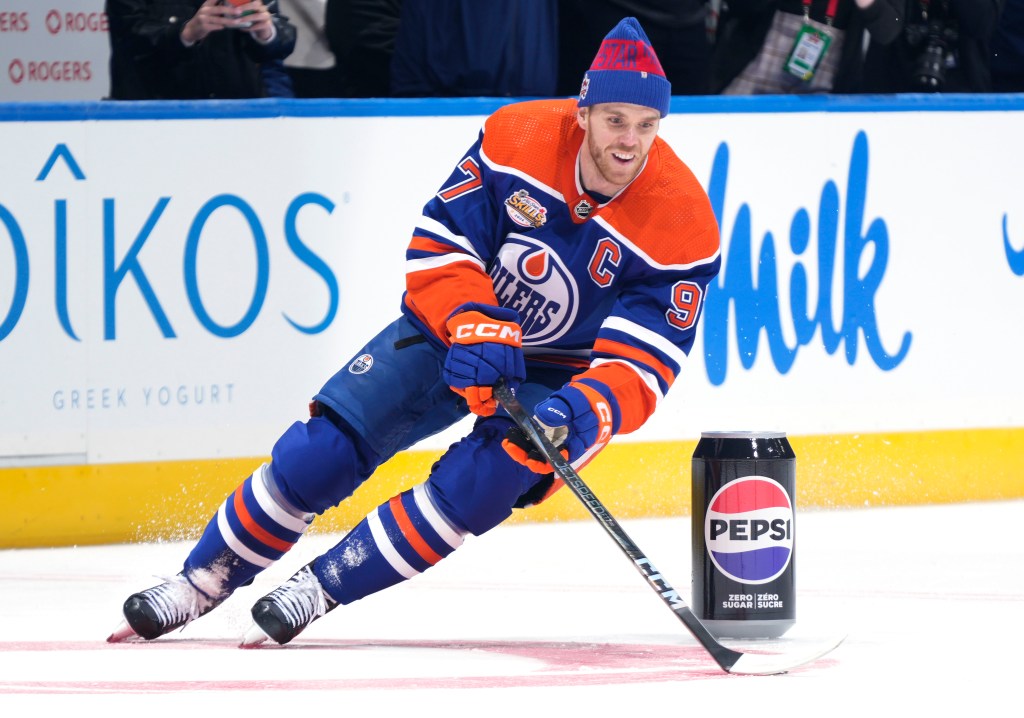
(486, 345)
(577, 420)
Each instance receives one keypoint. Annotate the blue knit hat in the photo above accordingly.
(626, 70)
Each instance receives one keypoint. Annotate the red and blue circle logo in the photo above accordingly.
(749, 529)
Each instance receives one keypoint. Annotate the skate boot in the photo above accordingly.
(285, 612)
(151, 613)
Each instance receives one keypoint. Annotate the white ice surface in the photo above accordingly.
(546, 620)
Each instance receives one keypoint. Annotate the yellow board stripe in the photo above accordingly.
(123, 503)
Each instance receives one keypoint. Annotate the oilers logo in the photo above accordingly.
(531, 278)
(361, 364)
(748, 530)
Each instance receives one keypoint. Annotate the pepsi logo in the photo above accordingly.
(749, 531)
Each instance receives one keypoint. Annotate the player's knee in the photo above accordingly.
(476, 483)
(316, 465)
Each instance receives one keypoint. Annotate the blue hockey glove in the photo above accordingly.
(486, 346)
(577, 420)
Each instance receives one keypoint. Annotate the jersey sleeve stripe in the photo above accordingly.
(421, 246)
(649, 380)
(637, 392)
(426, 263)
(431, 226)
(647, 336)
(648, 259)
(612, 350)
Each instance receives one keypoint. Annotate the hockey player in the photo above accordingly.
(568, 254)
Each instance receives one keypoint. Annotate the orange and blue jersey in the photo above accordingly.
(614, 289)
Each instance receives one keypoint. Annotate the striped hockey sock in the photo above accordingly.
(399, 539)
(253, 528)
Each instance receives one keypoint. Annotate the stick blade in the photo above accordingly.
(768, 664)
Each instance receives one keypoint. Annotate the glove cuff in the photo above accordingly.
(477, 327)
(602, 410)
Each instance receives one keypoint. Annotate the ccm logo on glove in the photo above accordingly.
(576, 419)
(486, 345)
(488, 332)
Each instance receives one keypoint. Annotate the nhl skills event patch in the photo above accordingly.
(525, 211)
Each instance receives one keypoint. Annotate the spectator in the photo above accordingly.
(277, 82)
(193, 49)
(311, 65)
(460, 48)
(361, 35)
(676, 29)
(764, 48)
(1007, 64)
(944, 47)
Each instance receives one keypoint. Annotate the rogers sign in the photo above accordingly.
(57, 22)
(50, 71)
(54, 52)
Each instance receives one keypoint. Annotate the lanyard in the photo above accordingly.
(830, 11)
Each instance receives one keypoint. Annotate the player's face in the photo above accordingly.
(618, 138)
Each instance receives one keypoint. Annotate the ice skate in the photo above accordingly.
(285, 612)
(151, 613)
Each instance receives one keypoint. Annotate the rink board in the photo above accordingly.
(169, 302)
(153, 501)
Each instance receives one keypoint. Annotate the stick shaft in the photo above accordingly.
(725, 657)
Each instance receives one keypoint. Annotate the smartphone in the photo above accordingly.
(238, 3)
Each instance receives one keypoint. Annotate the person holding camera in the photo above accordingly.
(944, 47)
(194, 49)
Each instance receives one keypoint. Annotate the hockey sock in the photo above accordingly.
(253, 528)
(399, 539)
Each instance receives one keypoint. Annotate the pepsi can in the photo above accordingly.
(743, 533)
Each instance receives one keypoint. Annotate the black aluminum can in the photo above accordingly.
(743, 533)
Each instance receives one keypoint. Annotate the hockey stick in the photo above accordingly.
(730, 661)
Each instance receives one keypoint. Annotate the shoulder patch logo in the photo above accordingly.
(525, 211)
(361, 364)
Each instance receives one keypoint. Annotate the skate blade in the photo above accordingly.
(123, 632)
(254, 637)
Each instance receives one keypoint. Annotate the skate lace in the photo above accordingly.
(176, 601)
(301, 598)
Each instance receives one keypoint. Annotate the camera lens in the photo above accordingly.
(929, 71)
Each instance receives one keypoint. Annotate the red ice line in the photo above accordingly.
(564, 664)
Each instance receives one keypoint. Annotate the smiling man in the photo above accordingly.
(568, 254)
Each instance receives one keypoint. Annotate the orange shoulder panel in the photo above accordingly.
(666, 211)
(522, 134)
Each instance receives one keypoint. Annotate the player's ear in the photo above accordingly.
(582, 113)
